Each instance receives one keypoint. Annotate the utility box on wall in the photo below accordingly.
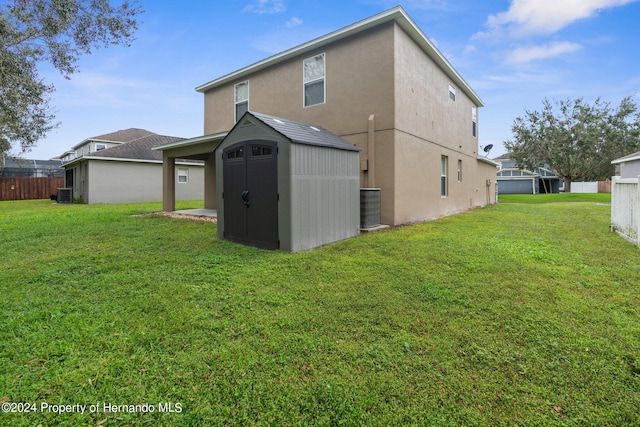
(286, 185)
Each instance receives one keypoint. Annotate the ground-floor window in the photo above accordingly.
(443, 176)
(183, 175)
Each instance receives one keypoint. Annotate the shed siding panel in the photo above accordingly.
(325, 195)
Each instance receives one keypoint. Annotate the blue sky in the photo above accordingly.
(513, 53)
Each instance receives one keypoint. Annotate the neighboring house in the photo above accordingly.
(14, 167)
(121, 167)
(379, 84)
(628, 166)
(513, 180)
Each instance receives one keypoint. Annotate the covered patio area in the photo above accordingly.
(199, 148)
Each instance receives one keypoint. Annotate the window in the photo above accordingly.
(452, 93)
(68, 178)
(100, 147)
(183, 175)
(314, 75)
(474, 121)
(258, 151)
(443, 176)
(241, 99)
(238, 153)
(459, 170)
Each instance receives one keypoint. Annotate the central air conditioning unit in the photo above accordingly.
(369, 207)
(65, 195)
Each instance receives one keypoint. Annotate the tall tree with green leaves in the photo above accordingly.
(58, 32)
(576, 139)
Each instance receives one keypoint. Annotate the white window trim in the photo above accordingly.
(444, 171)
(474, 121)
(452, 91)
(236, 102)
(185, 174)
(323, 78)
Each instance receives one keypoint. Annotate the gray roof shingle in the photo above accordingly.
(125, 135)
(304, 133)
(139, 148)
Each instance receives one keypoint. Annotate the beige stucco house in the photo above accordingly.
(380, 84)
(121, 167)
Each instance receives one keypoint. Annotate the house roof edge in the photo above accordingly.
(192, 141)
(396, 14)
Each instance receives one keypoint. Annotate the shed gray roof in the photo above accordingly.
(303, 133)
(139, 148)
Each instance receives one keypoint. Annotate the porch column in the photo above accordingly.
(210, 201)
(168, 183)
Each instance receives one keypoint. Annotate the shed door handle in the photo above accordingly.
(245, 198)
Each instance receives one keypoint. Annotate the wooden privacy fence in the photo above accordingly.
(625, 208)
(604, 186)
(12, 188)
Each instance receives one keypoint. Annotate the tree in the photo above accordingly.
(575, 139)
(57, 32)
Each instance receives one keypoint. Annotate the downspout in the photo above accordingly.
(371, 152)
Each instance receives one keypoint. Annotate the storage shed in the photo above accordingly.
(283, 184)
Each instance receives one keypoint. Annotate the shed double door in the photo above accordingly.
(250, 192)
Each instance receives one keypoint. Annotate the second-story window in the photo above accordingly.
(314, 75)
(474, 121)
(241, 99)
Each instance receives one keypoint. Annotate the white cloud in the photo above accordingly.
(263, 7)
(547, 16)
(531, 53)
(294, 22)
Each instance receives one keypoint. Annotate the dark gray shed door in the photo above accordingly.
(250, 176)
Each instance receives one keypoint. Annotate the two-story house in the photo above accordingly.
(513, 180)
(380, 84)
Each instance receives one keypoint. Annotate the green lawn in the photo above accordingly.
(555, 198)
(513, 315)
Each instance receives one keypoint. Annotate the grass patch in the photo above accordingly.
(515, 314)
(556, 198)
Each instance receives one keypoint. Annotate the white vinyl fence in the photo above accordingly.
(625, 208)
(584, 187)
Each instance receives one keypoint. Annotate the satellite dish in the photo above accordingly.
(487, 148)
